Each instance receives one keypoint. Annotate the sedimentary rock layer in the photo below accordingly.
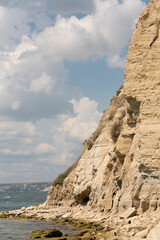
(120, 165)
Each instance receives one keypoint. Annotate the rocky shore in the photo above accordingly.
(97, 226)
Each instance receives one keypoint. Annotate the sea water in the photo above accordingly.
(11, 229)
(21, 229)
(8, 206)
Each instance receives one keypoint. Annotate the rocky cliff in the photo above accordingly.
(120, 164)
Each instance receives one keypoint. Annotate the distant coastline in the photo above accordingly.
(17, 195)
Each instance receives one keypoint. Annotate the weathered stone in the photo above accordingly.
(129, 213)
(67, 215)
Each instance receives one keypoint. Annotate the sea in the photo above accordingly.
(11, 229)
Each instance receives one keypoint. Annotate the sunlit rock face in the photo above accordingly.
(120, 164)
(142, 92)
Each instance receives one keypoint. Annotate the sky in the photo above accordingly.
(61, 63)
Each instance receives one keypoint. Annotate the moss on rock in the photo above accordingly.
(46, 233)
(3, 215)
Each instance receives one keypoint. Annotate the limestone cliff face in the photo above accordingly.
(87, 183)
(120, 164)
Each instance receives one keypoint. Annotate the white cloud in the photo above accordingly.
(13, 25)
(34, 70)
(26, 45)
(37, 80)
(116, 61)
(26, 172)
(104, 34)
(15, 105)
(44, 148)
(12, 129)
(43, 83)
(39, 127)
(85, 122)
(18, 152)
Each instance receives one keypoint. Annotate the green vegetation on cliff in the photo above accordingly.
(60, 179)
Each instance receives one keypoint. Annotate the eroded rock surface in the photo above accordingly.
(120, 165)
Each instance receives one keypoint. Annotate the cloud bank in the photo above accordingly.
(43, 121)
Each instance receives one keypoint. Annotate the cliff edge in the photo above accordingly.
(120, 164)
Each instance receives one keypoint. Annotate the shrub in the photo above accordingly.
(114, 149)
(60, 179)
(89, 144)
(36, 205)
(96, 134)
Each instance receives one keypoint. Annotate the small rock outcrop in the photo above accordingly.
(119, 169)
